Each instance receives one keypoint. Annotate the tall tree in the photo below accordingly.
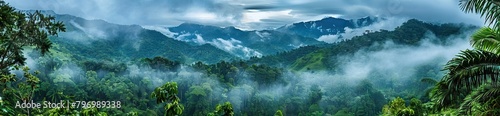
(19, 30)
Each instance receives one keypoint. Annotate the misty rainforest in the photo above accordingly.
(249, 58)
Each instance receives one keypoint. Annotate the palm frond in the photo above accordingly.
(467, 71)
(472, 68)
(443, 97)
(490, 9)
(479, 97)
(486, 39)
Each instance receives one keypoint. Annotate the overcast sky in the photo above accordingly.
(248, 14)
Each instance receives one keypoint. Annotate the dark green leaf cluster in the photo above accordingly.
(162, 64)
(18, 30)
(168, 93)
(225, 109)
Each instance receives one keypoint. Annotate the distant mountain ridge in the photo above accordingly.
(411, 33)
(267, 42)
(100, 40)
(242, 43)
(327, 26)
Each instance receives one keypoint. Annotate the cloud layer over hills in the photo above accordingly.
(249, 14)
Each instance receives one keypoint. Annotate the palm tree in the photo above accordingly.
(473, 75)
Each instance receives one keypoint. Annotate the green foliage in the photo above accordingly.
(481, 102)
(311, 62)
(278, 113)
(475, 65)
(231, 72)
(343, 112)
(162, 64)
(315, 95)
(428, 80)
(22, 90)
(486, 39)
(104, 66)
(370, 100)
(284, 58)
(69, 112)
(417, 106)
(474, 70)
(470, 69)
(92, 112)
(18, 30)
(264, 75)
(397, 107)
(168, 93)
(225, 109)
(5, 108)
(487, 9)
(199, 98)
(315, 110)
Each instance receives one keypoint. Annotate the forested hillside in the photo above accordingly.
(100, 40)
(411, 33)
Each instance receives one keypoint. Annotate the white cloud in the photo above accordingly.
(329, 38)
(388, 24)
(91, 32)
(231, 46)
(161, 29)
(263, 35)
(257, 16)
(393, 59)
(201, 15)
(234, 47)
(401, 59)
(199, 39)
(183, 37)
